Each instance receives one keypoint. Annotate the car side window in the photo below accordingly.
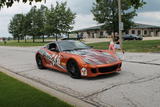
(53, 47)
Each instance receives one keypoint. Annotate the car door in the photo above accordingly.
(54, 56)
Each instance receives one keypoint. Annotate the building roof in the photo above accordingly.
(89, 28)
(137, 26)
(142, 26)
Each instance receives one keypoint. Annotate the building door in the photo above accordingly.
(139, 32)
(92, 35)
(101, 34)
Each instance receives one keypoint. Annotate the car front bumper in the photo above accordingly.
(95, 70)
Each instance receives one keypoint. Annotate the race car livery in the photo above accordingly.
(78, 59)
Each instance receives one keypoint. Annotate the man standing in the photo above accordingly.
(4, 40)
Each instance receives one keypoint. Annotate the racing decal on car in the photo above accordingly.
(95, 57)
(53, 58)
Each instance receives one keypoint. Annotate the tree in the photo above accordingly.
(42, 18)
(59, 19)
(35, 23)
(50, 25)
(9, 3)
(64, 17)
(43, 21)
(12, 28)
(16, 26)
(106, 13)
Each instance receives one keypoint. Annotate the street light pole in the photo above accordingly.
(120, 23)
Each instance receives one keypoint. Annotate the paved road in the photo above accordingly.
(137, 85)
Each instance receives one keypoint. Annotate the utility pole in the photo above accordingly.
(120, 23)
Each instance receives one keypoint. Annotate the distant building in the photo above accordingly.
(145, 30)
(138, 29)
(92, 32)
(1, 39)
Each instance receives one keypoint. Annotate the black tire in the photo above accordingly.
(39, 62)
(73, 69)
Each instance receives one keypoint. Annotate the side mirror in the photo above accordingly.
(54, 49)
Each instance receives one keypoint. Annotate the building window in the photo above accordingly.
(127, 32)
(133, 31)
(157, 33)
(92, 35)
(88, 34)
(101, 34)
(139, 32)
(145, 32)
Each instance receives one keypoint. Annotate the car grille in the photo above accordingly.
(94, 70)
(109, 69)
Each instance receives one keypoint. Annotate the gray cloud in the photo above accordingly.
(152, 18)
(82, 8)
(150, 6)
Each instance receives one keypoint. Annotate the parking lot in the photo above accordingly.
(137, 85)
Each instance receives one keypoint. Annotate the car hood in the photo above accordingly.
(95, 57)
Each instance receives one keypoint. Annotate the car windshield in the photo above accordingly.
(72, 45)
(134, 35)
(126, 35)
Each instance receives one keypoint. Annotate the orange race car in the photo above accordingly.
(78, 59)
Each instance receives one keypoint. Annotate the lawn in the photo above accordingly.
(23, 44)
(29, 43)
(129, 46)
(133, 46)
(14, 93)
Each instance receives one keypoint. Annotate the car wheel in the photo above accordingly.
(39, 62)
(73, 69)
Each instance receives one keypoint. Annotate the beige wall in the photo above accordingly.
(94, 34)
(145, 32)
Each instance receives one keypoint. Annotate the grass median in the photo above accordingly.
(23, 44)
(14, 93)
(133, 46)
(129, 46)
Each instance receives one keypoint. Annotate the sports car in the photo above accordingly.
(77, 59)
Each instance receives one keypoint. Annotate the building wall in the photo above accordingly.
(145, 32)
(102, 33)
(94, 34)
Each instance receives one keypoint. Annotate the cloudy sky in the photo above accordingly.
(149, 14)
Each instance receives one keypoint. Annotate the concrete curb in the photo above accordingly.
(64, 97)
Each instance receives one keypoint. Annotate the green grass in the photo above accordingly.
(133, 46)
(14, 93)
(23, 44)
(129, 46)
(142, 46)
